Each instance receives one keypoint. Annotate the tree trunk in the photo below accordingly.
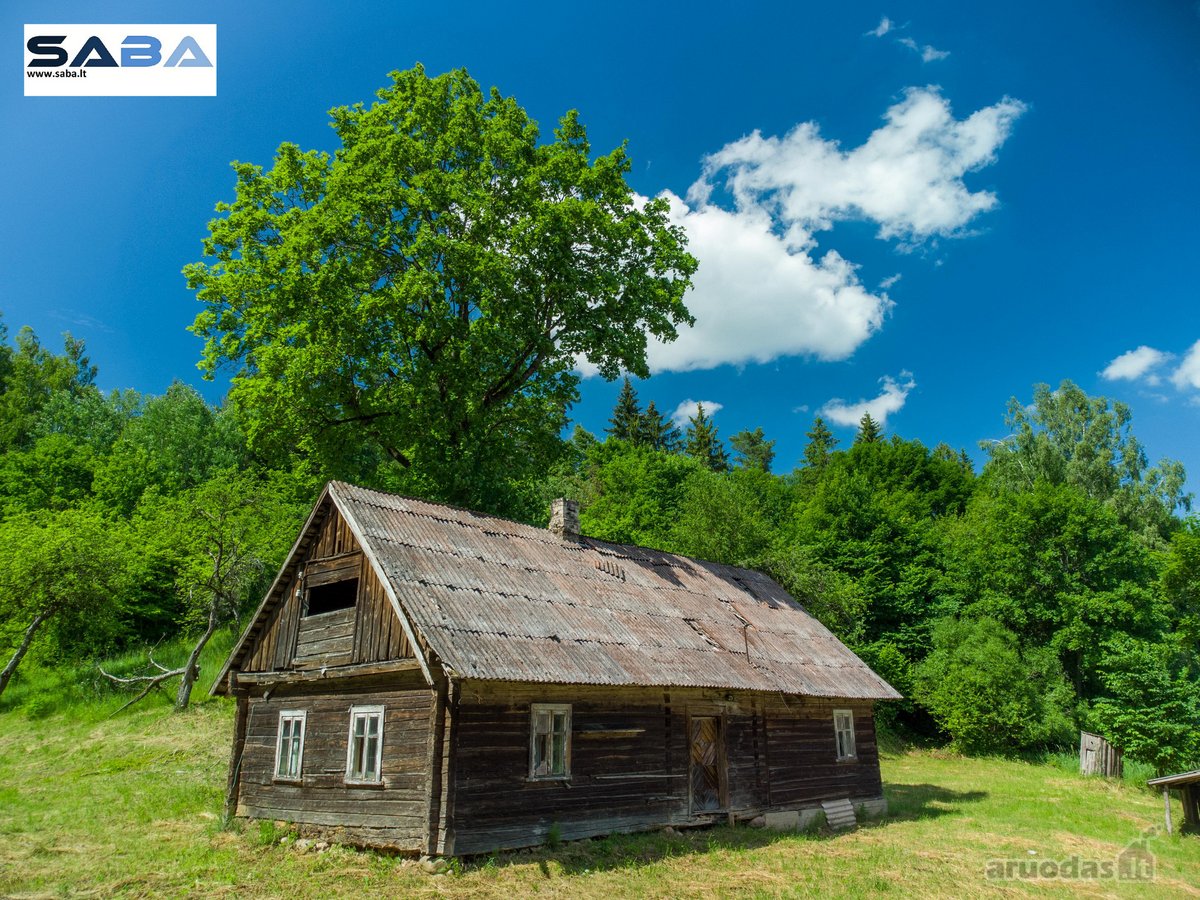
(191, 671)
(7, 674)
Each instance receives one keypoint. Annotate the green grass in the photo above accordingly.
(129, 806)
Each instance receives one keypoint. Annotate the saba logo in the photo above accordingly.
(120, 60)
(136, 50)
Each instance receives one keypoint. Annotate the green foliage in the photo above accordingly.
(753, 449)
(821, 443)
(1057, 568)
(30, 375)
(627, 414)
(987, 694)
(58, 573)
(175, 443)
(635, 493)
(656, 431)
(1181, 581)
(835, 598)
(729, 517)
(427, 290)
(869, 431)
(702, 443)
(1067, 437)
(887, 661)
(874, 514)
(1149, 704)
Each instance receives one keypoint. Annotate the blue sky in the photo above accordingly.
(927, 207)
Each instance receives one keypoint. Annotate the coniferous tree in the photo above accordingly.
(627, 415)
(869, 431)
(753, 449)
(702, 442)
(656, 431)
(820, 444)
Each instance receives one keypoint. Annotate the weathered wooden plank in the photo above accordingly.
(399, 666)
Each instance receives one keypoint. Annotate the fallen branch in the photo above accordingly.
(151, 682)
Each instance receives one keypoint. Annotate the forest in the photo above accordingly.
(411, 314)
(1055, 590)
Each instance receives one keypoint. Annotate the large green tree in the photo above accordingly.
(58, 571)
(430, 288)
(1067, 437)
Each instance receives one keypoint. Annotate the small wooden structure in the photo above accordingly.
(1188, 785)
(439, 681)
(1098, 757)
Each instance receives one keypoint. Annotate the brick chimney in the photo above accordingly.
(564, 518)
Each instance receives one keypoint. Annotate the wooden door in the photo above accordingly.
(708, 764)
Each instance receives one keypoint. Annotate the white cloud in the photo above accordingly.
(1136, 364)
(889, 281)
(763, 290)
(928, 53)
(890, 400)
(1188, 373)
(687, 409)
(885, 25)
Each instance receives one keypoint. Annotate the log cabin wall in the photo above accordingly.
(803, 751)
(392, 814)
(630, 761)
(367, 632)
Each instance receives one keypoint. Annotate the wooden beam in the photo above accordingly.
(308, 675)
(235, 756)
(1167, 806)
(433, 768)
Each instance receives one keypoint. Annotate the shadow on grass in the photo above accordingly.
(629, 851)
(907, 802)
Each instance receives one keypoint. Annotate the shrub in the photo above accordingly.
(988, 695)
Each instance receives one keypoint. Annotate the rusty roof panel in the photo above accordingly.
(499, 600)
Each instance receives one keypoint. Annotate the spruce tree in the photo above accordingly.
(656, 431)
(627, 415)
(869, 431)
(703, 443)
(753, 449)
(820, 444)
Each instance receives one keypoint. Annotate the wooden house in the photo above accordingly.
(440, 681)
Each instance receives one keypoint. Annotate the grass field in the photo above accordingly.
(128, 806)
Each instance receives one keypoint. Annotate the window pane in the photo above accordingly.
(372, 748)
(541, 744)
(560, 753)
(542, 723)
(373, 725)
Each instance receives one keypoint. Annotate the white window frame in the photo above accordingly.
(843, 734)
(290, 715)
(365, 713)
(550, 709)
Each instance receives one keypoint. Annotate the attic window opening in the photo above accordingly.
(326, 598)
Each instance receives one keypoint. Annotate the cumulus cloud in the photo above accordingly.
(763, 289)
(687, 409)
(1136, 364)
(1188, 373)
(891, 399)
(885, 25)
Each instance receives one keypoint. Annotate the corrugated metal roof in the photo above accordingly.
(499, 600)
